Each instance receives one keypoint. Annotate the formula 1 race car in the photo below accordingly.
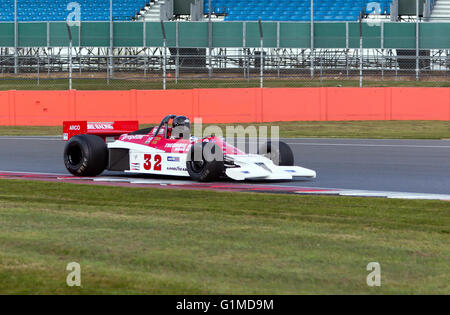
(169, 149)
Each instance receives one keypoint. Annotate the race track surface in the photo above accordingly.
(419, 166)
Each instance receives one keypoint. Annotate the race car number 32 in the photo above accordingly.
(148, 162)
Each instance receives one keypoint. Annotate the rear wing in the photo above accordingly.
(101, 129)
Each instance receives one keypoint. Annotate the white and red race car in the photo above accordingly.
(158, 151)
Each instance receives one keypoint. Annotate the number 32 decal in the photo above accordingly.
(148, 162)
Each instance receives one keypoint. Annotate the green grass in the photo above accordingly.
(131, 240)
(308, 129)
(30, 130)
(363, 129)
(27, 83)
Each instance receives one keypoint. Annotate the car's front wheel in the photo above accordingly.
(279, 152)
(205, 162)
(86, 155)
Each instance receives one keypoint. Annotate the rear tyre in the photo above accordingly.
(205, 162)
(280, 153)
(86, 155)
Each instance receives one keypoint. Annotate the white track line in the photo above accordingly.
(372, 145)
(382, 194)
(364, 145)
(369, 145)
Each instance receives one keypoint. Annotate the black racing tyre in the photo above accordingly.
(280, 153)
(205, 162)
(86, 155)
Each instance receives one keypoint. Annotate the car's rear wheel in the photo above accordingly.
(205, 162)
(86, 155)
(279, 152)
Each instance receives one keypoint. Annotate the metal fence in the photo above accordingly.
(171, 68)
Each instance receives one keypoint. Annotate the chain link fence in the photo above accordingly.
(179, 69)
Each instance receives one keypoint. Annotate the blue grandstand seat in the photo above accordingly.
(56, 10)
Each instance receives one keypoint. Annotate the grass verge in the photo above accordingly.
(30, 130)
(308, 129)
(29, 83)
(130, 240)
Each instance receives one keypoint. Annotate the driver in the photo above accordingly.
(181, 128)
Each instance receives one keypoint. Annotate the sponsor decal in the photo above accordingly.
(173, 159)
(154, 140)
(177, 169)
(75, 128)
(135, 166)
(65, 137)
(132, 137)
(177, 146)
(96, 126)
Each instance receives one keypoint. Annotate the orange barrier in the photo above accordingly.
(226, 105)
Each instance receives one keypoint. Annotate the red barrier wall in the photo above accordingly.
(226, 105)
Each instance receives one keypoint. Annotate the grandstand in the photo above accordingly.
(235, 10)
(229, 10)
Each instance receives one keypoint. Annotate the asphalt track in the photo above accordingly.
(418, 166)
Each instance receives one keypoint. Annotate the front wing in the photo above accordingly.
(258, 167)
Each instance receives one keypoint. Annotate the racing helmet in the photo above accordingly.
(181, 121)
(181, 127)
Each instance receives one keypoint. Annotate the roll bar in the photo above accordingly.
(165, 122)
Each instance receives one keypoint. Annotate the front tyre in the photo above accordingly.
(205, 162)
(86, 155)
(279, 152)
